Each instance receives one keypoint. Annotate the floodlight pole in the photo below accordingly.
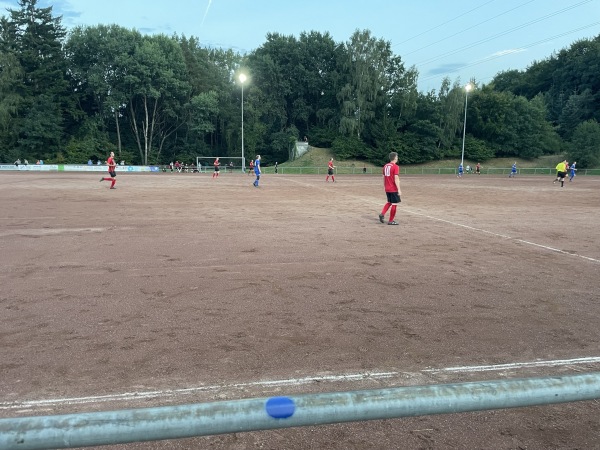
(468, 87)
(242, 79)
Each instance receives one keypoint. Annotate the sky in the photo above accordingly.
(461, 39)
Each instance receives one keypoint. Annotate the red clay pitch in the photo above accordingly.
(176, 281)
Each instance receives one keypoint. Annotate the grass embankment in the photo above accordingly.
(319, 157)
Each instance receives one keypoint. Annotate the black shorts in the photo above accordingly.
(561, 174)
(329, 171)
(393, 197)
(216, 168)
(113, 174)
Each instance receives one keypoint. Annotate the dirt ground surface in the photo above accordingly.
(181, 288)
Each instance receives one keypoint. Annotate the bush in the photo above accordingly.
(477, 150)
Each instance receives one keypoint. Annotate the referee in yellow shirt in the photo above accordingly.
(561, 172)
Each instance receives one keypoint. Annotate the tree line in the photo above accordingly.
(70, 95)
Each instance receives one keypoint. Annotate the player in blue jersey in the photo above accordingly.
(513, 171)
(257, 170)
(572, 169)
(460, 170)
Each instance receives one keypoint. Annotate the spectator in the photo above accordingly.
(89, 162)
(275, 166)
(18, 162)
(38, 161)
(122, 162)
(26, 162)
(99, 163)
(305, 139)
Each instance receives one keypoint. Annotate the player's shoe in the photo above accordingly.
(114, 187)
(393, 222)
(101, 180)
(381, 218)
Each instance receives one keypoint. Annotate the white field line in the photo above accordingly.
(479, 230)
(167, 393)
(524, 365)
(504, 236)
(365, 376)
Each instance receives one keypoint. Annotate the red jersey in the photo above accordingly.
(251, 163)
(331, 165)
(111, 164)
(390, 170)
(216, 163)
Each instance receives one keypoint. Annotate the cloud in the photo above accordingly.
(446, 68)
(505, 52)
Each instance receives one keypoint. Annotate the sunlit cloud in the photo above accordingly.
(506, 52)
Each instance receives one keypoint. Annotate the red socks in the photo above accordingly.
(393, 213)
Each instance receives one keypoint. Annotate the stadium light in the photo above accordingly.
(242, 78)
(468, 87)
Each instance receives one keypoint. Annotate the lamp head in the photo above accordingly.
(468, 87)
(242, 77)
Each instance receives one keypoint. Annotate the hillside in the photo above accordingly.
(318, 157)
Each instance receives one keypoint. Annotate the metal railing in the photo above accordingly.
(174, 422)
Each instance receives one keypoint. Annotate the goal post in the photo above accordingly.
(229, 164)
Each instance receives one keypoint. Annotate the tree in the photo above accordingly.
(98, 60)
(158, 91)
(366, 62)
(585, 145)
(34, 37)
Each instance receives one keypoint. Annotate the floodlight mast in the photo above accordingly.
(242, 77)
(468, 87)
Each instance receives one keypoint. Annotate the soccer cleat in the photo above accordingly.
(393, 222)
(101, 180)
(113, 187)
(381, 218)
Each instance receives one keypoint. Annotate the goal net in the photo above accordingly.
(227, 163)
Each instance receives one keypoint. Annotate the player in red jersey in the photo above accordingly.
(112, 167)
(216, 164)
(251, 170)
(391, 183)
(330, 168)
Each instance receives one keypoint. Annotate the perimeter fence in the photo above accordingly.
(407, 170)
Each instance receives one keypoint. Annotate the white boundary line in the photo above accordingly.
(365, 376)
(504, 236)
(479, 230)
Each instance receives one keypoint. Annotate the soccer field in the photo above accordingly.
(181, 288)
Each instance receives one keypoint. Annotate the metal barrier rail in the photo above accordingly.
(173, 422)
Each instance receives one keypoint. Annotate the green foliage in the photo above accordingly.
(585, 145)
(350, 147)
(167, 97)
(477, 149)
(322, 136)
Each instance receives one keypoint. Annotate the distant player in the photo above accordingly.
(330, 168)
(216, 164)
(112, 166)
(561, 172)
(251, 167)
(391, 184)
(257, 170)
(460, 171)
(513, 171)
(478, 169)
(573, 170)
